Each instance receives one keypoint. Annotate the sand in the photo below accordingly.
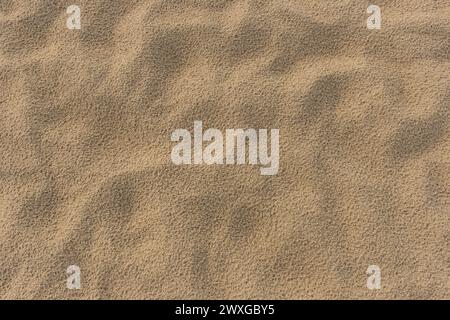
(87, 179)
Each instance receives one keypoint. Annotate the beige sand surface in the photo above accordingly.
(86, 177)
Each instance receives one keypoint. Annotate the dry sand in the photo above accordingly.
(86, 175)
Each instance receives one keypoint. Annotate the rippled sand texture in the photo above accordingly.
(86, 175)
